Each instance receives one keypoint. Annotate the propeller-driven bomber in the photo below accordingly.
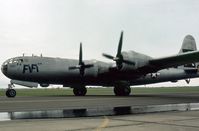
(130, 68)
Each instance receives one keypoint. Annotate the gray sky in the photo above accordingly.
(55, 27)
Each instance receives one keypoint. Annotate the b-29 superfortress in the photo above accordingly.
(129, 68)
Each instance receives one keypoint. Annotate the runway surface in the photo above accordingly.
(71, 102)
(42, 113)
(164, 121)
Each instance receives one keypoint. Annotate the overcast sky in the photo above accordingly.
(56, 27)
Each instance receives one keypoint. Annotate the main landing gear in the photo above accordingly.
(122, 89)
(10, 92)
(79, 91)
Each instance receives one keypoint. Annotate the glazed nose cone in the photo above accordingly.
(4, 68)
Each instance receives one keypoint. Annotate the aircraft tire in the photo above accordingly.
(11, 93)
(7, 94)
(122, 90)
(80, 91)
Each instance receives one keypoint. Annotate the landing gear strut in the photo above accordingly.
(79, 91)
(10, 92)
(122, 89)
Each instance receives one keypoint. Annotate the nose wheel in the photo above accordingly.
(10, 92)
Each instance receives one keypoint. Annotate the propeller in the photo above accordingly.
(119, 58)
(81, 66)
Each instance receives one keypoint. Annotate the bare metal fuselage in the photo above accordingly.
(46, 70)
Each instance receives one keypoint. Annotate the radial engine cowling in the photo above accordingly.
(139, 60)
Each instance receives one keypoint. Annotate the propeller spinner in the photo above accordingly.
(119, 58)
(81, 66)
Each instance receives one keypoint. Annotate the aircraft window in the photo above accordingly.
(14, 61)
(20, 61)
(10, 61)
(5, 63)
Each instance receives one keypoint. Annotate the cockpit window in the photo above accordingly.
(5, 63)
(16, 60)
(21, 60)
(10, 61)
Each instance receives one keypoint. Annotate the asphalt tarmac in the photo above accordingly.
(12, 116)
(74, 102)
(164, 121)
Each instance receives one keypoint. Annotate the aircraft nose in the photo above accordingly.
(4, 68)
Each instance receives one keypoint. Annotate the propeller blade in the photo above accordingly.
(73, 67)
(119, 50)
(81, 66)
(118, 58)
(80, 55)
(108, 56)
(88, 66)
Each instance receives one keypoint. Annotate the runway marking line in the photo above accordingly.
(103, 124)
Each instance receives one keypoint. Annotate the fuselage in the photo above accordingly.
(49, 70)
(46, 70)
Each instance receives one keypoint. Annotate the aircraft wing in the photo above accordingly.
(174, 61)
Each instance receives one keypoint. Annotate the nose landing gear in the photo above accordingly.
(10, 92)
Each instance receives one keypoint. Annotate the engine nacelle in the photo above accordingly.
(140, 60)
